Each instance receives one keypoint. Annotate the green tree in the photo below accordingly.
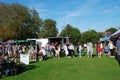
(48, 29)
(18, 22)
(111, 30)
(90, 35)
(36, 24)
(73, 33)
(6, 27)
(21, 20)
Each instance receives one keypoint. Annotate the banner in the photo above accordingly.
(24, 58)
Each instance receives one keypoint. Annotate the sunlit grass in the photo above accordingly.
(76, 68)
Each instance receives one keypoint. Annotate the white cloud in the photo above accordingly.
(44, 11)
(84, 9)
(116, 7)
(73, 17)
(107, 11)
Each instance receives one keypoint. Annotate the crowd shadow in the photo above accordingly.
(22, 68)
(18, 69)
(117, 58)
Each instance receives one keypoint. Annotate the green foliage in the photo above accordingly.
(48, 28)
(70, 69)
(90, 35)
(71, 32)
(18, 22)
(111, 30)
(101, 34)
(36, 23)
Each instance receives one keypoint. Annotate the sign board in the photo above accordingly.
(24, 58)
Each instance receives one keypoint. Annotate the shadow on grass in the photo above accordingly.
(94, 55)
(19, 69)
(33, 62)
(118, 59)
(22, 68)
(62, 54)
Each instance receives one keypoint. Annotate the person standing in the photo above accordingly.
(52, 50)
(3, 48)
(43, 52)
(9, 49)
(36, 50)
(106, 50)
(32, 55)
(65, 49)
(111, 47)
(71, 50)
(57, 52)
(3, 62)
(85, 47)
(90, 49)
(98, 48)
(118, 49)
(101, 47)
(80, 50)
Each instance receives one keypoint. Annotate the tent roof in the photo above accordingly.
(115, 33)
(22, 41)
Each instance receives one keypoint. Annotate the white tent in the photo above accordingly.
(115, 33)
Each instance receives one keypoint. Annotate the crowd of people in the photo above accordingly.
(11, 52)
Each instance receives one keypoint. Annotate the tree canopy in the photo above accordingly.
(73, 33)
(111, 30)
(18, 22)
(90, 35)
(48, 29)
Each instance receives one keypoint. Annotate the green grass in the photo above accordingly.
(76, 68)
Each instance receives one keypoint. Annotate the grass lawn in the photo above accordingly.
(76, 68)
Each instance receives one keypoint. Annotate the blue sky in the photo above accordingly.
(82, 14)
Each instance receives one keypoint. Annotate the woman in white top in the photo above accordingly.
(111, 47)
(65, 49)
